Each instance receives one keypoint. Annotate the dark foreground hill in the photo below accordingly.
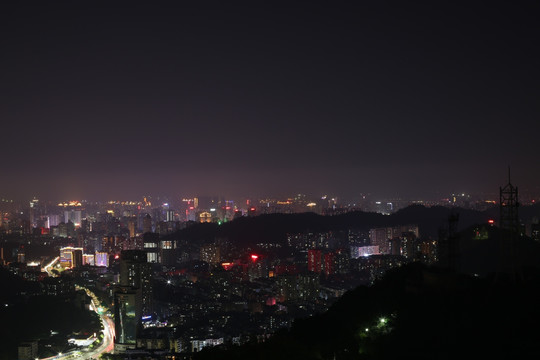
(414, 312)
(26, 317)
(487, 249)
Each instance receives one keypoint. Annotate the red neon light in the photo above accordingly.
(254, 257)
(491, 221)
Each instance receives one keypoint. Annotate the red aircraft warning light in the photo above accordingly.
(254, 257)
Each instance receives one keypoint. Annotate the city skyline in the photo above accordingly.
(409, 100)
(149, 200)
(52, 197)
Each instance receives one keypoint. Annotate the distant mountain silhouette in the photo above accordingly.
(274, 227)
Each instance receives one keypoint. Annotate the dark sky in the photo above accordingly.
(119, 99)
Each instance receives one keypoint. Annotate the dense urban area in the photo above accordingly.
(160, 279)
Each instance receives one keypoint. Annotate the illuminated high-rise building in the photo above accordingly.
(379, 237)
(151, 246)
(389, 239)
(408, 245)
(70, 257)
(28, 350)
(74, 216)
(21, 257)
(33, 212)
(102, 258)
(170, 215)
(89, 259)
(204, 217)
(395, 246)
(54, 220)
(329, 265)
(131, 227)
(211, 254)
(358, 251)
(315, 260)
(167, 252)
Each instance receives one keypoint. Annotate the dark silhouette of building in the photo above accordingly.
(136, 272)
(147, 224)
(448, 244)
(132, 299)
(76, 258)
(127, 318)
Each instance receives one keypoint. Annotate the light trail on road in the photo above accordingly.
(106, 346)
(48, 267)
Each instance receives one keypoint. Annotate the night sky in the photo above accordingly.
(102, 100)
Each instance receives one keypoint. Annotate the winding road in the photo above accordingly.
(107, 344)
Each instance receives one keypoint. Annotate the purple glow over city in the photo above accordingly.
(260, 180)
